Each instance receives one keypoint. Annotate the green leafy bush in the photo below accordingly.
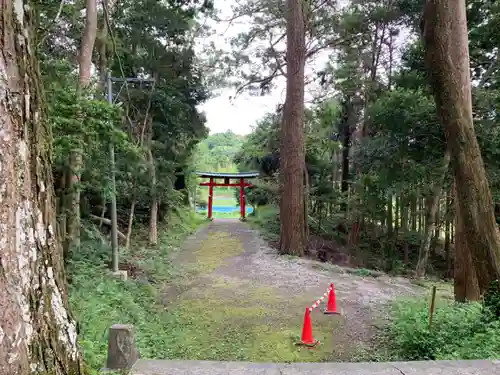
(267, 219)
(99, 300)
(458, 331)
(492, 301)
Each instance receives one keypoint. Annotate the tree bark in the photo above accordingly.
(101, 42)
(390, 219)
(87, 44)
(292, 154)
(104, 220)
(465, 278)
(76, 155)
(430, 222)
(73, 202)
(413, 211)
(130, 224)
(153, 218)
(447, 234)
(447, 57)
(37, 332)
(344, 182)
(404, 226)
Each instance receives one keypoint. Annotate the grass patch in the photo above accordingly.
(216, 326)
(215, 250)
(226, 319)
(266, 219)
(224, 201)
(99, 300)
(459, 331)
(220, 215)
(233, 319)
(334, 268)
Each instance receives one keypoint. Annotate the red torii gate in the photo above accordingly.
(242, 184)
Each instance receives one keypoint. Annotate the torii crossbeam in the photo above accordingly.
(242, 184)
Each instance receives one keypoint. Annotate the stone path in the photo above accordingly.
(239, 301)
(396, 368)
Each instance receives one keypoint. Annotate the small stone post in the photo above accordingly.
(122, 350)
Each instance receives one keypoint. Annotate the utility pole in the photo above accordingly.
(114, 216)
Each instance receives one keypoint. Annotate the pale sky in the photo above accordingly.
(242, 113)
(238, 115)
(224, 112)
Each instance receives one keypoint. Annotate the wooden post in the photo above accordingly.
(242, 199)
(432, 306)
(210, 198)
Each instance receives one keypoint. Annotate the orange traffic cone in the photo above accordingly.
(307, 335)
(331, 307)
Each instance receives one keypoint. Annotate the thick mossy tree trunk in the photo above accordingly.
(447, 58)
(37, 332)
(293, 235)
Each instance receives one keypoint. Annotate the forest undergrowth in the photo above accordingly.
(458, 330)
(100, 300)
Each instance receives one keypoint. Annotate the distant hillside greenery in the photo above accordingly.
(217, 151)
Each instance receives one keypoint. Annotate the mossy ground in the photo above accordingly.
(231, 318)
(99, 300)
(184, 307)
(217, 249)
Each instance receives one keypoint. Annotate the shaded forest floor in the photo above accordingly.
(236, 299)
(224, 294)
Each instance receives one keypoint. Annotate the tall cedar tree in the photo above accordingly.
(292, 214)
(445, 36)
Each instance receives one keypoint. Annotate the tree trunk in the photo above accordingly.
(38, 333)
(130, 224)
(447, 57)
(73, 202)
(437, 219)
(153, 214)
(103, 211)
(447, 235)
(344, 182)
(413, 210)
(75, 157)
(390, 219)
(87, 44)
(465, 281)
(430, 222)
(404, 227)
(421, 212)
(293, 232)
(306, 201)
(101, 42)
(396, 215)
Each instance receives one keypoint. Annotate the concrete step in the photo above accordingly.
(160, 367)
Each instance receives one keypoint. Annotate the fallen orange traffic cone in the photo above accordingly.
(307, 335)
(331, 307)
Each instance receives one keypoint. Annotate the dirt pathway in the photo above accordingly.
(239, 301)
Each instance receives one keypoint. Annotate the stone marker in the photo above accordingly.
(122, 351)
(123, 275)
